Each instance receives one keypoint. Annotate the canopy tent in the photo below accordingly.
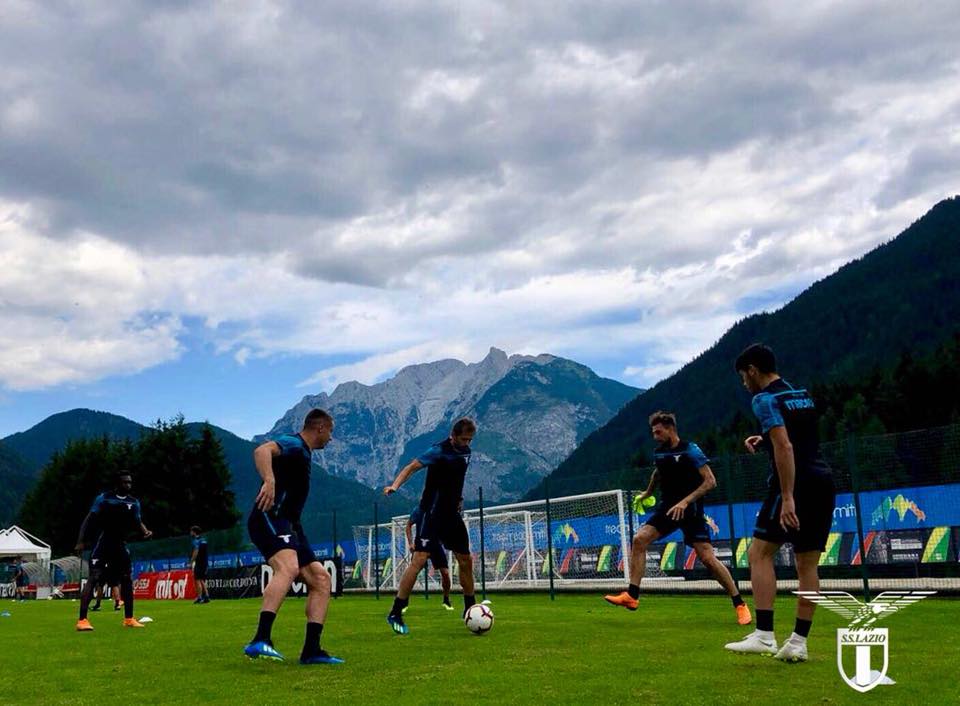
(15, 541)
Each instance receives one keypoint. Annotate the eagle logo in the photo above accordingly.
(860, 633)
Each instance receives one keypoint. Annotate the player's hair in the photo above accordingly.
(195, 529)
(464, 424)
(667, 419)
(316, 417)
(759, 355)
(120, 474)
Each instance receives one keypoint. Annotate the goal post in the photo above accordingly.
(588, 532)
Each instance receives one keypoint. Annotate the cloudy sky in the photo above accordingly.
(218, 207)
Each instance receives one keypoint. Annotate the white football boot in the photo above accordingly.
(793, 650)
(757, 642)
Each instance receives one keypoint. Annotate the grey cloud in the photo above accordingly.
(192, 127)
(931, 166)
(717, 108)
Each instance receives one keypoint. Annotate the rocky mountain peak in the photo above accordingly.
(383, 425)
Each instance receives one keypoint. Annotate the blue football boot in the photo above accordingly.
(262, 650)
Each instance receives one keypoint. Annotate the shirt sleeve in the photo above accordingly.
(288, 444)
(431, 456)
(767, 412)
(97, 504)
(136, 512)
(696, 454)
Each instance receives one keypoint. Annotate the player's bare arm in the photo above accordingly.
(708, 483)
(752, 443)
(263, 459)
(403, 477)
(83, 532)
(650, 486)
(786, 470)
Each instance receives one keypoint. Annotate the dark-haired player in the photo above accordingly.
(274, 526)
(685, 477)
(198, 561)
(438, 554)
(446, 465)
(799, 505)
(104, 590)
(21, 580)
(112, 518)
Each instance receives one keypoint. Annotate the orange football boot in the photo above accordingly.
(623, 599)
(743, 614)
(84, 625)
(132, 623)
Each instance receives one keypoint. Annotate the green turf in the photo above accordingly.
(574, 650)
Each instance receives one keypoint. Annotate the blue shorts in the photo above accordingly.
(815, 499)
(109, 563)
(439, 530)
(273, 534)
(693, 524)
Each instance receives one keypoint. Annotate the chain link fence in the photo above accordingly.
(896, 524)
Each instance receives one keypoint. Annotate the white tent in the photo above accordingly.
(18, 542)
(14, 542)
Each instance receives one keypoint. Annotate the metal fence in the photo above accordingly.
(896, 523)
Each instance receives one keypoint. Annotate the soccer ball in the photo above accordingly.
(479, 619)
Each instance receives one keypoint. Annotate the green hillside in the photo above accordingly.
(16, 478)
(902, 296)
(38, 443)
(23, 455)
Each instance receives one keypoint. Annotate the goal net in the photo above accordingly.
(587, 544)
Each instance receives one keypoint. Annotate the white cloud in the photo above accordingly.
(74, 311)
(377, 367)
(567, 179)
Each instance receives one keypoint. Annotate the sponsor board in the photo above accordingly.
(250, 581)
(334, 567)
(243, 582)
(165, 585)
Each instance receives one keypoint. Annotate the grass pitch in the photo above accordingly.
(576, 649)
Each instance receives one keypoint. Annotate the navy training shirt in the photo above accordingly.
(116, 516)
(679, 471)
(446, 469)
(291, 472)
(200, 544)
(779, 404)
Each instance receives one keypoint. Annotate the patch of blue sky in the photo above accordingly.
(202, 384)
(768, 299)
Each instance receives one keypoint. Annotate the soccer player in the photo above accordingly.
(113, 516)
(685, 477)
(446, 465)
(103, 590)
(438, 554)
(198, 560)
(20, 579)
(274, 526)
(799, 505)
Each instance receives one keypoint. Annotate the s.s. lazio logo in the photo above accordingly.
(860, 633)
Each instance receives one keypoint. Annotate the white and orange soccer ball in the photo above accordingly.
(479, 619)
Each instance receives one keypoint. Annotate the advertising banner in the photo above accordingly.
(334, 567)
(165, 585)
(235, 582)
